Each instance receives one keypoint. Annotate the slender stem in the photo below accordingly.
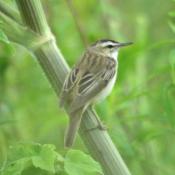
(9, 11)
(105, 18)
(19, 32)
(77, 21)
(53, 64)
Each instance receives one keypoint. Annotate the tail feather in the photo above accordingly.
(74, 124)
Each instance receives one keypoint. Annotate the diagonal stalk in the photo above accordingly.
(53, 64)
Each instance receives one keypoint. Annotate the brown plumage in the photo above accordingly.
(90, 80)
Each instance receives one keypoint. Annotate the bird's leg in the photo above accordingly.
(100, 125)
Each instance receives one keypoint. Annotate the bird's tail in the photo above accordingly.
(74, 124)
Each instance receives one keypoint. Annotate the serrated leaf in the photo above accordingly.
(3, 37)
(79, 163)
(45, 158)
(23, 156)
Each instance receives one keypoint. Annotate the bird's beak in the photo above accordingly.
(123, 44)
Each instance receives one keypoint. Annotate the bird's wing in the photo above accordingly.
(93, 81)
(69, 83)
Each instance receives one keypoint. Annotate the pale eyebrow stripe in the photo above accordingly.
(108, 43)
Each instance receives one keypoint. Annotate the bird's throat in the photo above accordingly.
(114, 55)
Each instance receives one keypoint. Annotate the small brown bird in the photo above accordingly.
(89, 81)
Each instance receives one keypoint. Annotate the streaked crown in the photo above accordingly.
(109, 44)
(107, 47)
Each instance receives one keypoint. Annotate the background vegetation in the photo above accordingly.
(140, 112)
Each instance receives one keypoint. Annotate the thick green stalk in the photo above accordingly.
(33, 15)
(53, 64)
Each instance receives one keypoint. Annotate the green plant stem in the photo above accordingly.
(9, 11)
(77, 21)
(53, 64)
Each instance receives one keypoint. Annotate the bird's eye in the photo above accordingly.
(109, 46)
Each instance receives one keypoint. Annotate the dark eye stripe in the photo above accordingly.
(109, 46)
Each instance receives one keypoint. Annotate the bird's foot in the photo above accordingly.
(100, 126)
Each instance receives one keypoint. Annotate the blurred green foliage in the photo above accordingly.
(140, 112)
(32, 158)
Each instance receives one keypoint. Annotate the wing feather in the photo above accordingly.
(84, 82)
(90, 86)
(68, 85)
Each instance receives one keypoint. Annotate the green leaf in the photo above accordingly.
(15, 168)
(45, 158)
(78, 163)
(3, 37)
(23, 156)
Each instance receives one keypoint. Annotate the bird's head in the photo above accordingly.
(108, 47)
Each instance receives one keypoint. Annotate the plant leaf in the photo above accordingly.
(24, 156)
(78, 163)
(45, 158)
